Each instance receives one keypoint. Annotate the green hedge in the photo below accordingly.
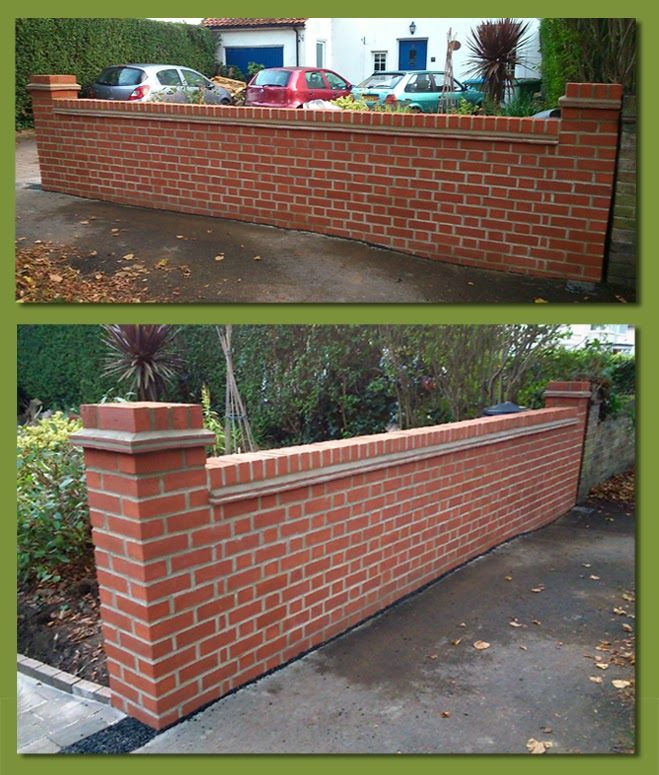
(558, 44)
(83, 47)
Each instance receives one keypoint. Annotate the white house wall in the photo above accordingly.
(248, 38)
(355, 40)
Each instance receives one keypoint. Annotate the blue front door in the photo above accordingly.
(412, 54)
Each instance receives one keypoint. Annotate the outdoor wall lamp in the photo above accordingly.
(412, 28)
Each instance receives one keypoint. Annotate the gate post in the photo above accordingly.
(148, 494)
(576, 395)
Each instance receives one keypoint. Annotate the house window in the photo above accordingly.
(379, 61)
(320, 53)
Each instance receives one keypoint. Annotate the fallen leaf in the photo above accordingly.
(547, 730)
(619, 611)
(602, 665)
(446, 714)
(180, 236)
(433, 656)
(621, 684)
(56, 278)
(594, 577)
(515, 623)
(83, 222)
(537, 746)
(585, 564)
(456, 642)
(508, 578)
(539, 588)
(627, 627)
(628, 597)
(621, 299)
(93, 253)
(462, 624)
(540, 301)
(536, 621)
(257, 258)
(481, 645)
(115, 231)
(219, 257)
(128, 256)
(162, 263)
(524, 648)
(596, 679)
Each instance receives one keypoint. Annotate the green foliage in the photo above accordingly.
(84, 46)
(465, 108)
(308, 383)
(350, 103)
(252, 69)
(560, 54)
(521, 105)
(62, 366)
(588, 50)
(53, 523)
(612, 374)
(212, 421)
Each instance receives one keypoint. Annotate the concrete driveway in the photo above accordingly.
(411, 681)
(256, 263)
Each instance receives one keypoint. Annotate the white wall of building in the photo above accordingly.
(275, 37)
(617, 336)
(355, 40)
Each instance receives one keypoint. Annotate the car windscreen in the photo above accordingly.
(381, 81)
(272, 78)
(121, 76)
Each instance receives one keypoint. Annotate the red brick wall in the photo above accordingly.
(214, 572)
(525, 195)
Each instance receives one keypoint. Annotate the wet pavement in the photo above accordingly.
(194, 258)
(411, 680)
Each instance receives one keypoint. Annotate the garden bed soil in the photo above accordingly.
(59, 622)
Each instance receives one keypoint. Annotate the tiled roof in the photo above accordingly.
(242, 23)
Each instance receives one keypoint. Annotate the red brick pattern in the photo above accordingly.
(518, 194)
(200, 597)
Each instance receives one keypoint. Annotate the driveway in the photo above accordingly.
(189, 258)
(411, 681)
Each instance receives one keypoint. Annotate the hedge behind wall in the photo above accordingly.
(83, 47)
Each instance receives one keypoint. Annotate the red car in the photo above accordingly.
(291, 87)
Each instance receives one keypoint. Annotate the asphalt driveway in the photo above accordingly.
(190, 258)
(411, 681)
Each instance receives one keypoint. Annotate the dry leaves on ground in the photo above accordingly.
(481, 645)
(538, 746)
(619, 489)
(42, 275)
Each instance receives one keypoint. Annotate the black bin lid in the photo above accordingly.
(507, 407)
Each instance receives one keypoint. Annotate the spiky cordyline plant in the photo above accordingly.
(142, 356)
(494, 52)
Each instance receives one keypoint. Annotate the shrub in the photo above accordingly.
(53, 524)
(83, 47)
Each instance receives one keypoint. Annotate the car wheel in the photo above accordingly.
(225, 101)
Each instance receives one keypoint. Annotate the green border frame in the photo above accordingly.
(642, 315)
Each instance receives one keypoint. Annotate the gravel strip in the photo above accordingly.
(123, 737)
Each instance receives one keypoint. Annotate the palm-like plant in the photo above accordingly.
(143, 356)
(494, 52)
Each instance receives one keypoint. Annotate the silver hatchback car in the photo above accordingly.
(170, 83)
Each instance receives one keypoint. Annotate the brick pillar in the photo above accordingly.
(578, 396)
(148, 500)
(590, 119)
(45, 91)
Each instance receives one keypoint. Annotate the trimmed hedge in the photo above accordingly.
(83, 47)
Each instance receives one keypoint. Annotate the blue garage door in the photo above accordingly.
(241, 56)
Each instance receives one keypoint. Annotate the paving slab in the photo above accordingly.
(50, 719)
(411, 681)
(292, 266)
